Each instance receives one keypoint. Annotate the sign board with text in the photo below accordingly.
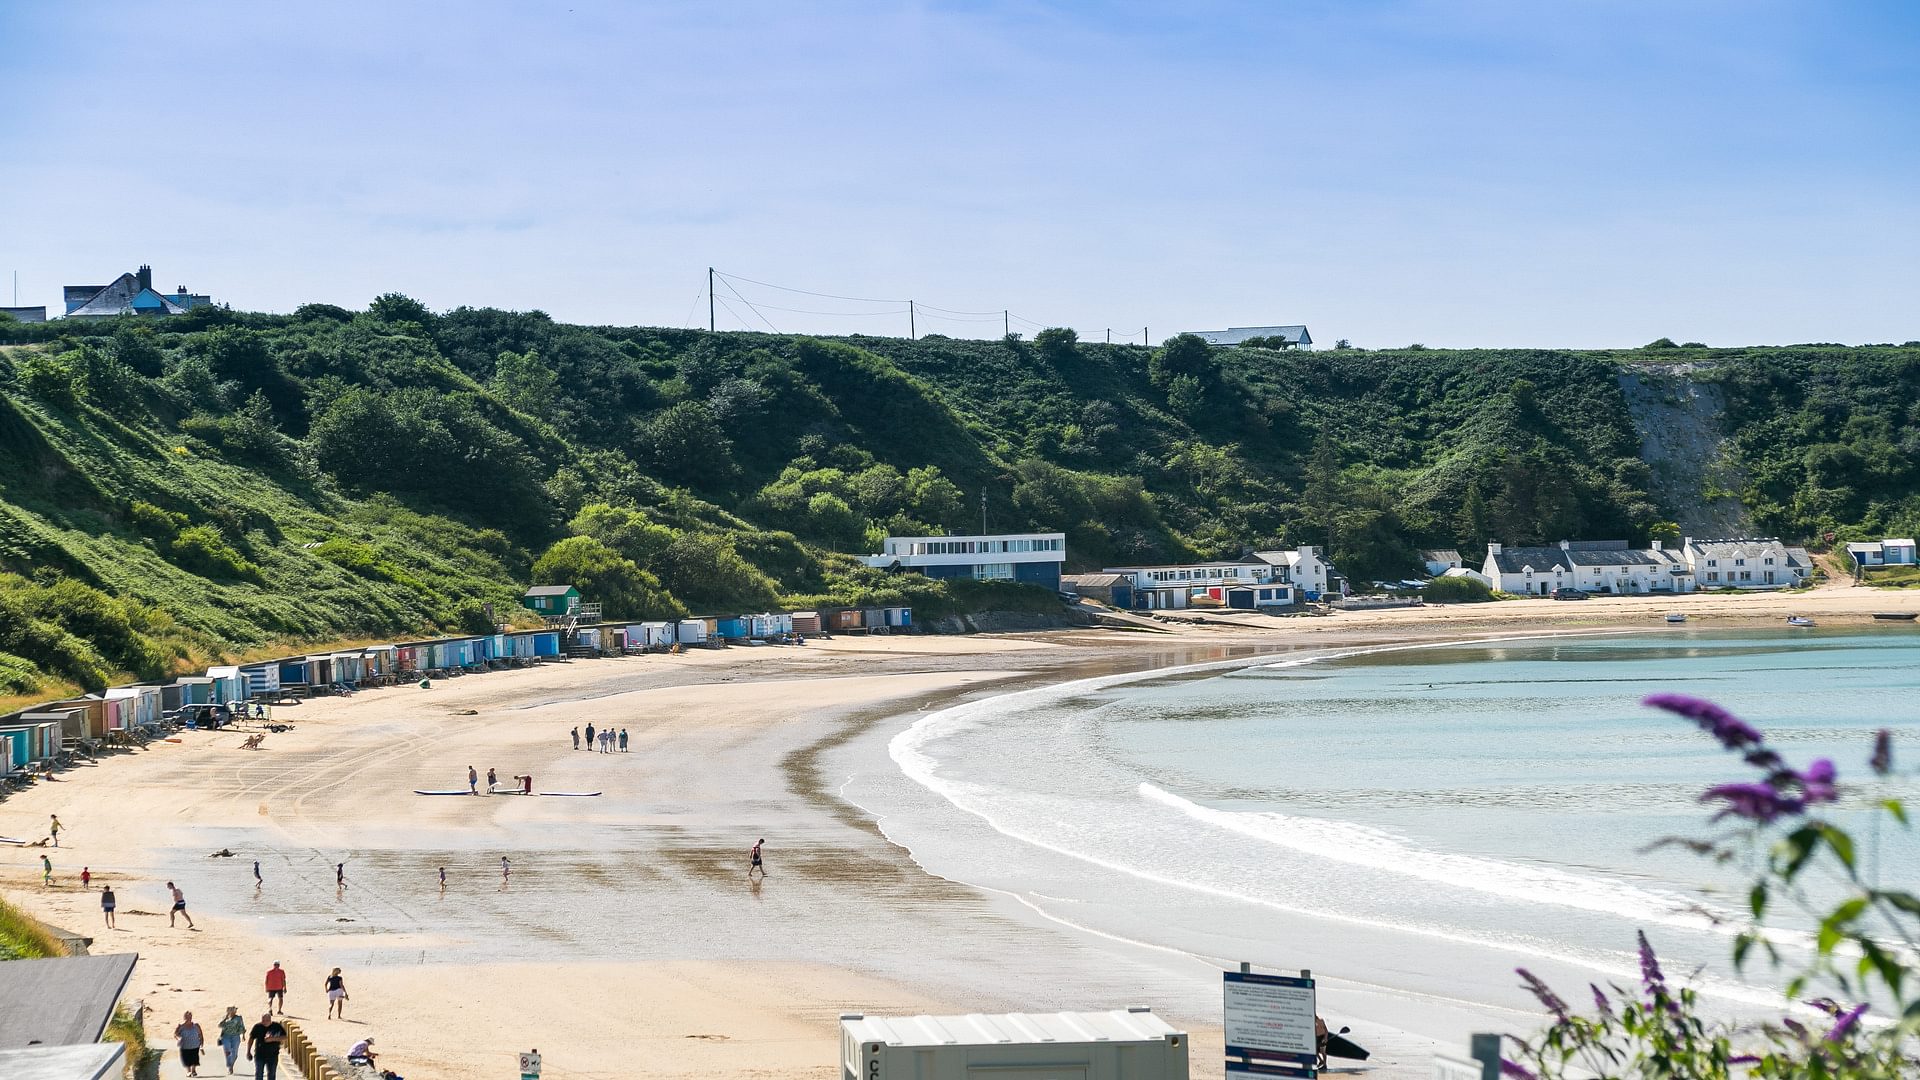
(1270, 1017)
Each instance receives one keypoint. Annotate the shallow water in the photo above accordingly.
(1419, 818)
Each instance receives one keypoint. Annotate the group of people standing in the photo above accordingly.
(605, 740)
(263, 1041)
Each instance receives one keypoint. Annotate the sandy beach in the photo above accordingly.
(627, 940)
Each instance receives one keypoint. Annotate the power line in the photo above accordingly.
(830, 296)
(749, 303)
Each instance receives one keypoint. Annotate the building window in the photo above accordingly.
(1739, 562)
(1713, 575)
(1746, 575)
(994, 571)
(1769, 562)
(1713, 562)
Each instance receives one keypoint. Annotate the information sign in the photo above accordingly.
(1270, 1016)
(530, 1065)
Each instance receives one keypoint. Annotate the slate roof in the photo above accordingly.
(1512, 560)
(61, 1001)
(123, 295)
(1234, 335)
(1442, 555)
(548, 590)
(1093, 581)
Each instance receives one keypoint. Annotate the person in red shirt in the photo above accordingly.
(276, 988)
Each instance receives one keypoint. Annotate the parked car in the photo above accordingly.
(1569, 594)
(212, 717)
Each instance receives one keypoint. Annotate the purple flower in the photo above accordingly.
(1845, 1024)
(1516, 1070)
(1758, 803)
(1882, 760)
(1600, 1000)
(1816, 784)
(1652, 978)
(1545, 995)
(1733, 732)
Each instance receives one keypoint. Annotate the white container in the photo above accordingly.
(1132, 1044)
(691, 632)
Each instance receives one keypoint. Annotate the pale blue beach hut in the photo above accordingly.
(228, 684)
(262, 680)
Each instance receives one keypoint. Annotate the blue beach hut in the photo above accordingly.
(262, 680)
(732, 628)
(546, 643)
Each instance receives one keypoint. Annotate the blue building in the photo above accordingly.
(1030, 558)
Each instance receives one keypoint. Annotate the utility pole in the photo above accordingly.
(1109, 335)
(1006, 317)
(1143, 335)
(911, 333)
(709, 299)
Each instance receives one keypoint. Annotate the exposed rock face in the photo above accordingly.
(1682, 440)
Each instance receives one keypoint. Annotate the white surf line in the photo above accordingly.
(920, 768)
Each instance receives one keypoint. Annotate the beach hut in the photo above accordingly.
(655, 635)
(759, 627)
(141, 704)
(874, 619)
(497, 647)
(189, 690)
(349, 668)
(546, 643)
(95, 710)
(849, 619)
(40, 739)
(732, 628)
(899, 618)
(263, 680)
(380, 661)
(690, 632)
(296, 674)
(17, 746)
(228, 684)
(806, 623)
(72, 723)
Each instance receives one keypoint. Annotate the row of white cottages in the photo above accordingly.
(1261, 579)
(1612, 566)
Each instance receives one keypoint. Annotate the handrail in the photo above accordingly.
(306, 1057)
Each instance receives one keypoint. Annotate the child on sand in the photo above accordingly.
(46, 870)
(754, 855)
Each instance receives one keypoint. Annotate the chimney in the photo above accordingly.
(145, 276)
(1686, 542)
(181, 291)
(1656, 545)
(1566, 545)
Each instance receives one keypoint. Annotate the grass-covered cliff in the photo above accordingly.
(209, 484)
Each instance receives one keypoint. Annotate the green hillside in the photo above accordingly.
(222, 482)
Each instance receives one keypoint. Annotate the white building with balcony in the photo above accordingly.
(1029, 558)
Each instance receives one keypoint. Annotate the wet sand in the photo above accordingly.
(628, 941)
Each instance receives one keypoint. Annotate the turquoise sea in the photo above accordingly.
(1422, 819)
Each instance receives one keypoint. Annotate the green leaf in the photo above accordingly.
(1905, 901)
(1757, 899)
(1741, 946)
(1794, 849)
(1839, 842)
(1897, 809)
(1848, 911)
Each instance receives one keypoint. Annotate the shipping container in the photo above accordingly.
(1121, 1045)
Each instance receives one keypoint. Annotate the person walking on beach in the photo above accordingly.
(256, 874)
(754, 860)
(189, 1036)
(86, 878)
(179, 906)
(336, 995)
(107, 904)
(46, 870)
(492, 779)
(263, 1047)
(623, 740)
(339, 875)
(506, 869)
(53, 829)
(589, 736)
(473, 781)
(233, 1028)
(277, 988)
(576, 737)
(443, 879)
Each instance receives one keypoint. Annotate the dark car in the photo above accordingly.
(211, 717)
(1569, 594)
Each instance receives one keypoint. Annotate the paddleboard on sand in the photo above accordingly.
(10, 840)
(570, 794)
(417, 791)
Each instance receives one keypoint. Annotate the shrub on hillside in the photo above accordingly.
(201, 549)
(602, 575)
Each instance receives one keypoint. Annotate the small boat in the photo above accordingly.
(1896, 616)
(1799, 620)
(1676, 616)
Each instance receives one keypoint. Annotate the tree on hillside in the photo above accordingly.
(136, 347)
(602, 574)
(1183, 354)
(396, 307)
(685, 444)
(524, 382)
(625, 530)
(1057, 343)
(1322, 493)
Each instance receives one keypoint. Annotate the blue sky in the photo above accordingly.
(1578, 174)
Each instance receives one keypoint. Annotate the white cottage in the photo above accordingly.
(1875, 553)
(1748, 563)
(1592, 566)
